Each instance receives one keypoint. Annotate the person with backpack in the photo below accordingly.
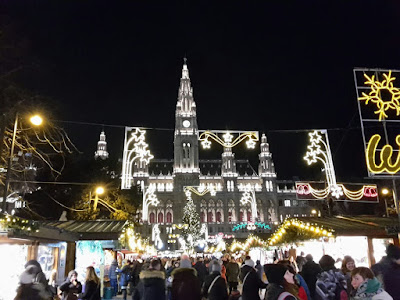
(281, 284)
(214, 287)
(251, 281)
(124, 279)
(331, 283)
(367, 286)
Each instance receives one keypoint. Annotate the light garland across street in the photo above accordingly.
(227, 139)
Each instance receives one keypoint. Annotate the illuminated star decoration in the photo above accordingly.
(228, 140)
(140, 146)
(228, 137)
(314, 148)
(375, 97)
(206, 144)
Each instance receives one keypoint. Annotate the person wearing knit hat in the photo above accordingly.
(251, 281)
(279, 278)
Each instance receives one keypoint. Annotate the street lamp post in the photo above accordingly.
(35, 120)
(99, 191)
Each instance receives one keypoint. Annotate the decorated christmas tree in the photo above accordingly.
(191, 233)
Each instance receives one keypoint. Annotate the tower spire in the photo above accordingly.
(101, 147)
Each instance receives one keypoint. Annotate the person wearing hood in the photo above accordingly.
(366, 286)
(280, 283)
(185, 284)
(29, 288)
(152, 283)
(71, 287)
(251, 281)
(39, 276)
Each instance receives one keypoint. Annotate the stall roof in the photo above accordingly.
(356, 225)
(91, 230)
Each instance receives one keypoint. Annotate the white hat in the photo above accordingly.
(249, 262)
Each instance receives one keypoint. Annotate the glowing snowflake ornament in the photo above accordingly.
(375, 95)
(336, 191)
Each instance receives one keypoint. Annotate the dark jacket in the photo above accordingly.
(380, 269)
(125, 276)
(218, 290)
(310, 272)
(273, 292)
(136, 269)
(33, 291)
(185, 284)
(68, 290)
(92, 291)
(252, 284)
(232, 272)
(202, 271)
(329, 284)
(391, 278)
(151, 286)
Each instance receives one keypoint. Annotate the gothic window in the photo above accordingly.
(152, 218)
(241, 216)
(203, 203)
(211, 203)
(249, 219)
(202, 217)
(219, 203)
(169, 217)
(218, 217)
(231, 203)
(210, 217)
(169, 203)
(160, 217)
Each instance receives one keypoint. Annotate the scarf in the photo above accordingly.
(368, 289)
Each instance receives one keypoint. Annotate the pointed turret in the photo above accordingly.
(186, 152)
(266, 165)
(186, 106)
(101, 147)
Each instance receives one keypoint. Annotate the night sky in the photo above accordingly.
(276, 68)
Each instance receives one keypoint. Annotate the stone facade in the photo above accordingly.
(228, 176)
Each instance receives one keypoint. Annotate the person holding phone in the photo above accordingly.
(71, 287)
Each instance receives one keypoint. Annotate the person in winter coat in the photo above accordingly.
(280, 281)
(331, 283)
(310, 272)
(185, 284)
(259, 269)
(232, 274)
(152, 283)
(391, 277)
(301, 289)
(29, 288)
(112, 274)
(201, 269)
(92, 286)
(71, 287)
(124, 278)
(251, 281)
(348, 265)
(385, 263)
(39, 276)
(214, 287)
(366, 286)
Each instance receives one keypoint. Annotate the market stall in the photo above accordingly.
(364, 237)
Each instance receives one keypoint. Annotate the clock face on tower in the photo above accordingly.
(186, 123)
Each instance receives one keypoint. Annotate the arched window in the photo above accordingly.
(152, 218)
(202, 217)
(218, 217)
(249, 219)
(160, 217)
(210, 217)
(241, 216)
(230, 216)
(169, 217)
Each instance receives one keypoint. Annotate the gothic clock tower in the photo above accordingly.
(186, 145)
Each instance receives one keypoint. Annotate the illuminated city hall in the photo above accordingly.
(231, 197)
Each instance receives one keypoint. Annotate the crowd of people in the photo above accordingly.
(197, 278)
